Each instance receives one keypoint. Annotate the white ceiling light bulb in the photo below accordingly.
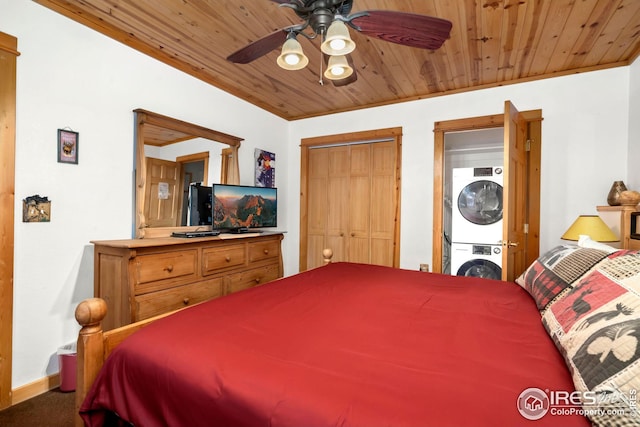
(337, 71)
(337, 44)
(292, 59)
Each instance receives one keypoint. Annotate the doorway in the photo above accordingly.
(8, 60)
(168, 206)
(473, 209)
(497, 140)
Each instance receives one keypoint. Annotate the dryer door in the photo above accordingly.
(480, 268)
(480, 202)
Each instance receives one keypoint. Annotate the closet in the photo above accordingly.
(516, 138)
(350, 198)
(472, 212)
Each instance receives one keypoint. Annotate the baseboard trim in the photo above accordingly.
(34, 389)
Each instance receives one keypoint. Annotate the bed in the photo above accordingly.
(352, 345)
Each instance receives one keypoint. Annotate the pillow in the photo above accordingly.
(596, 327)
(587, 242)
(555, 270)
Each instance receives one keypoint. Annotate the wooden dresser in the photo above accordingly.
(141, 278)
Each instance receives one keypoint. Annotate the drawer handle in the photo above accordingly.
(169, 268)
(228, 258)
(186, 301)
(257, 280)
(266, 251)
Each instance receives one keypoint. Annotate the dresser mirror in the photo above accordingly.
(171, 155)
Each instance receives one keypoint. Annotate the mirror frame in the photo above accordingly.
(147, 118)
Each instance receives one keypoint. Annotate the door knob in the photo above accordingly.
(509, 244)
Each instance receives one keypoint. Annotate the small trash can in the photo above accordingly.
(67, 360)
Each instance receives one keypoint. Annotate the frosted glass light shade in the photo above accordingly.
(337, 41)
(338, 68)
(592, 226)
(292, 56)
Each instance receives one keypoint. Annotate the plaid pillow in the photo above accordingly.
(556, 270)
(596, 327)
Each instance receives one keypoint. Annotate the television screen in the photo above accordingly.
(239, 207)
(199, 205)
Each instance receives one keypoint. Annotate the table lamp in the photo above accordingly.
(592, 226)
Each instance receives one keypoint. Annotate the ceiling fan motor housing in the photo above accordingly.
(320, 20)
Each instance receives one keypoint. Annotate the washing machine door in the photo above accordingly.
(480, 202)
(480, 268)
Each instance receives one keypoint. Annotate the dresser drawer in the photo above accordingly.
(140, 278)
(155, 303)
(157, 271)
(253, 277)
(263, 250)
(215, 259)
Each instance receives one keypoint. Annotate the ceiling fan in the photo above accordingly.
(328, 19)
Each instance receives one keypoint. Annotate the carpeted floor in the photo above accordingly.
(51, 409)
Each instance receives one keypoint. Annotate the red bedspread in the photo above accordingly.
(346, 344)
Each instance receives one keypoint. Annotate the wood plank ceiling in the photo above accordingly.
(493, 42)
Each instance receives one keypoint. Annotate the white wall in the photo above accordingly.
(584, 147)
(70, 76)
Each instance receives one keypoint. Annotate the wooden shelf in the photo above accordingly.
(618, 218)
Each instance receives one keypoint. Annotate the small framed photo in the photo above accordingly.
(67, 146)
(265, 168)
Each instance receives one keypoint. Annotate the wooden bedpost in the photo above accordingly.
(326, 255)
(89, 314)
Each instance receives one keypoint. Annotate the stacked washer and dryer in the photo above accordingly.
(476, 222)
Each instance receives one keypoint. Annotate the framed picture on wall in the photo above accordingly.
(36, 209)
(265, 168)
(67, 146)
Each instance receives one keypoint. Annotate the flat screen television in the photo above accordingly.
(200, 207)
(240, 208)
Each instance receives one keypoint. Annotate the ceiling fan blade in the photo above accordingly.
(259, 47)
(345, 8)
(409, 29)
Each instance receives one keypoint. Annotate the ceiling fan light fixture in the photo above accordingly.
(338, 41)
(338, 68)
(292, 56)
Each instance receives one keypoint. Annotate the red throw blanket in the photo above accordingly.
(341, 345)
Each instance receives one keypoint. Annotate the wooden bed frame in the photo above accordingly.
(95, 345)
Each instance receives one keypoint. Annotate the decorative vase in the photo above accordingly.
(614, 194)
